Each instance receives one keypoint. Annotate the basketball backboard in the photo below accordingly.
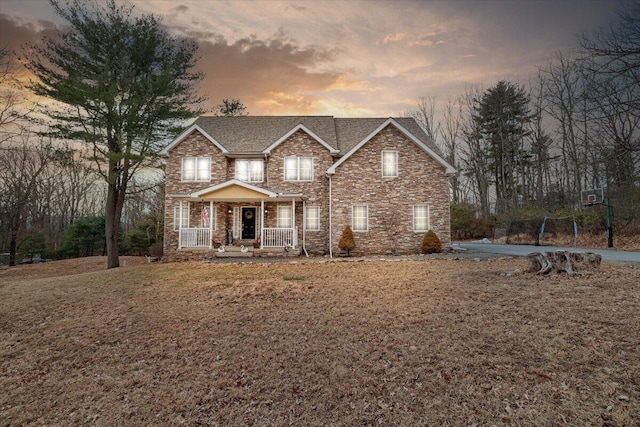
(593, 196)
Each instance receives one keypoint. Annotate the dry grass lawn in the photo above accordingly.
(432, 342)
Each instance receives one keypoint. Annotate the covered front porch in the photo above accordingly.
(238, 214)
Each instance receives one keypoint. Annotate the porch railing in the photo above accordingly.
(280, 237)
(194, 238)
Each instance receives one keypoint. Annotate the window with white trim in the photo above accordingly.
(389, 164)
(181, 218)
(421, 218)
(250, 170)
(298, 169)
(360, 218)
(196, 168)
(285, 219)
(312, 218)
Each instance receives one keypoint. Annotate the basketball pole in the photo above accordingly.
(607, 203)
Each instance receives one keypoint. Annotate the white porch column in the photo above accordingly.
(211, 222)
(293, 223)
(179, 225)
(261, 223)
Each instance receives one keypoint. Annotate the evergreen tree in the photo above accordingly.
(346, 240)
(121, 84)
(502, 114)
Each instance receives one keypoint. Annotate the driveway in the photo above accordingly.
(524, 250)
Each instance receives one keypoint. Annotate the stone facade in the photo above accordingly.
(357, 180)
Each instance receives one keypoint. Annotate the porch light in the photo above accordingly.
(229, 211)
(266, 211)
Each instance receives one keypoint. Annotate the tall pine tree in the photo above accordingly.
(122, 84)
(502, 114)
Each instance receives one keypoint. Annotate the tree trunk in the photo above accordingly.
(12, 250)
(115, 202)
(562, 261)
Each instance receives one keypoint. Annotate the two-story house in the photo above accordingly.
(295, 182)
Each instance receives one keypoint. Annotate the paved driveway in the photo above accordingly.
(524, 250)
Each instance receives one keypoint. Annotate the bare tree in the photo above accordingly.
(425, 115)
(13, 105)
(450, 133)
(21, 168)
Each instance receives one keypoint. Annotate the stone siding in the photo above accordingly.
(421, 180)
(315, 193)
(390, 201)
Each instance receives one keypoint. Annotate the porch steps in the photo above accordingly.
(234, 252)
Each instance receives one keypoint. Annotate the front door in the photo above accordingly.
(248, 223)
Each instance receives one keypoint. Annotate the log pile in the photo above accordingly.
(562, 262)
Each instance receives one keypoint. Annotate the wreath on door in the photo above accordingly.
(248, 214)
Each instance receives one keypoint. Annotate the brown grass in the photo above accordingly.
(432, 342)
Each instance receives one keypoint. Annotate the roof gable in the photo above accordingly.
(390, 121)
(233, 189)
(259, 134)
(308, 132)
(185, 134)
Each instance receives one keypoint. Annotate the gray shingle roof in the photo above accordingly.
(253, 134)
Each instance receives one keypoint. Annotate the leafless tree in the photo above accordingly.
(13, 105)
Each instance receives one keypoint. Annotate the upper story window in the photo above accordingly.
(298, 169)
(196, 168)
(389, 164)
(250, 170)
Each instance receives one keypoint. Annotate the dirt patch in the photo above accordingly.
(412, 342)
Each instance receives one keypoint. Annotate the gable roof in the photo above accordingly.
(356, 132)
(294, 130)
(194, 127)
(234, 183)
(258, 135)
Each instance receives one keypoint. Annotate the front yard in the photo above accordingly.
(432, 342)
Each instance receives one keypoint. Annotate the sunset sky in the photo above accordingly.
(353, 58)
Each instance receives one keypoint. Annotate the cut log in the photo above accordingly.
(562, 262)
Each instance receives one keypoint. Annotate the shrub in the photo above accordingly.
(346, 241)
(430, 243)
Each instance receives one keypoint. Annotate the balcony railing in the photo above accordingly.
(273, 237)
(280, 237)
(194, 238)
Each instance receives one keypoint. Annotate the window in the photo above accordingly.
(389, 164)
(298, 169)
(250, 170)
(420, 218)
(360, 218)
(196, 169)
(312, 218)
(181, 218)
(284, 217)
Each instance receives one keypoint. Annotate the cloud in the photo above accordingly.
(394, 37)
(183, 8)
(268, 76)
